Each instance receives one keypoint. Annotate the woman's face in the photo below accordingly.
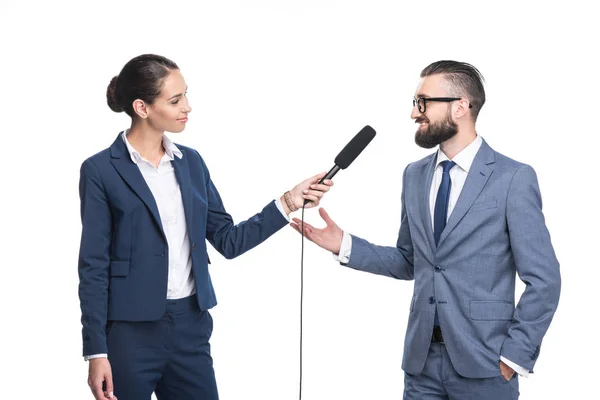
(170, 109)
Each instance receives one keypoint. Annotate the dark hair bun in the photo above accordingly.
(141, 78)
(111, 95)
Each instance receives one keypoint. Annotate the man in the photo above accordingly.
(471, 220)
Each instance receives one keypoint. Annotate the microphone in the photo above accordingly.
(350, 152)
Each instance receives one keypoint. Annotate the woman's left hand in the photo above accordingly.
(308, 189)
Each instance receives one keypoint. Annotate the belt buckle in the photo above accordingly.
(437, 336)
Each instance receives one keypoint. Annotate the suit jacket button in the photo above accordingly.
(193, 246)
(438, 268)
(431, 300)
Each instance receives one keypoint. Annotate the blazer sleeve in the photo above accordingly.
(536, 266)
(230, 239)
(394, 262)
(94, 259)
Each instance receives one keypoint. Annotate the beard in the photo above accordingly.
(435, 133)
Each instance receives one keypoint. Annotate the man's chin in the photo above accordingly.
(426, 145)
(419, 140)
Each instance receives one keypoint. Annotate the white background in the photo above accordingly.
(277, 89)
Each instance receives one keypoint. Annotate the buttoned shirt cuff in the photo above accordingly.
(87, 358)
(345, 249)
(524, 372)
(280, 208)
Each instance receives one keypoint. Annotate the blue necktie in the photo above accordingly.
(441, 208)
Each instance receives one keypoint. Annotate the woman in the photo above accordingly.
(147, 208)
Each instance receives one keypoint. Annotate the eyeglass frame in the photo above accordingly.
(438, 99)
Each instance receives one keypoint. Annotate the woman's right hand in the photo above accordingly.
(100, 372)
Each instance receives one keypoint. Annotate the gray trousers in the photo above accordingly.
(440, 381)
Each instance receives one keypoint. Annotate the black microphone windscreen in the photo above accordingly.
(355, 147)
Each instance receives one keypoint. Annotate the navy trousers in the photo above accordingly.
(440, 381)
(170, 357)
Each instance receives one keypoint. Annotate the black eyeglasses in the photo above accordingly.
(421, 102)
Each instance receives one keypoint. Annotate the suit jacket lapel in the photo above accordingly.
(182, 172)
(131, 174)
(480, 172)
(425, 189)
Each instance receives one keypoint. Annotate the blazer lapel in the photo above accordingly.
(425, 189)
(480, 172)
(182, 172)
(131, 174)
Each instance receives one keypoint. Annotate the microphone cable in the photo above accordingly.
(301, 295)
(342, 161)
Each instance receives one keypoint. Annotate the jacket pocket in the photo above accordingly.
(491, 310)
(119, 268)
(484, 205)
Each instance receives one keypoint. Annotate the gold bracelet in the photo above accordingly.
(289, 201)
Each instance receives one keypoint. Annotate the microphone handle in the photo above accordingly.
(329, 175)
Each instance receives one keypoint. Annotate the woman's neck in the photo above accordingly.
(146, 141)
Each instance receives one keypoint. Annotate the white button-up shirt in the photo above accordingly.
(165, 189)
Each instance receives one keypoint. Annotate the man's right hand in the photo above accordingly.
(329, 238)
(100, 372)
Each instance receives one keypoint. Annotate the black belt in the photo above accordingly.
(437, 337)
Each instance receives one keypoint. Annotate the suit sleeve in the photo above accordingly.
(94, 259)
(230, 239)
(394, 262)
(537, 267)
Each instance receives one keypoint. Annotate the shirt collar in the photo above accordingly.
(464, 159)
(170, 149)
